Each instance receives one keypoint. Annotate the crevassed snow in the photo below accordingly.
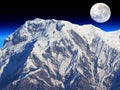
(55, 30)
(90, 32)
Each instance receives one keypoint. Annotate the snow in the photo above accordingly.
(79, 70)
(50, 65)
(43, 80)
(3, 64)
(87, 31)
(0, 53)
(64, 66)
(112, 39)
(90, 32)
(29, 64)
(55, 30)
(57, 82)
(34, 81)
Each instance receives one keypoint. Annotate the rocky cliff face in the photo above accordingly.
(59, 55)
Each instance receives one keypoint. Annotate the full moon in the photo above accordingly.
(100, 12)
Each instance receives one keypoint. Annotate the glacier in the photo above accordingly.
(59, 55)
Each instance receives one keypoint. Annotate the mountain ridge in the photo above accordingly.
(56, 54)
(114, 34)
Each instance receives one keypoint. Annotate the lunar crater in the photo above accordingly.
(100, 12)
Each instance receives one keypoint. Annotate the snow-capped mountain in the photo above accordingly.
(58, 55)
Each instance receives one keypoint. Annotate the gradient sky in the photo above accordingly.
(14, 13)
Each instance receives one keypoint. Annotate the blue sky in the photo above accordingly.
(4, 32)
(2, 37)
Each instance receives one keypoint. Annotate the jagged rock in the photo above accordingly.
(59, 55)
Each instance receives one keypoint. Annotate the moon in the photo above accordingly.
(100, 12)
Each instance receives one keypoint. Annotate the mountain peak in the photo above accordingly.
(56, 54)
(40, 27)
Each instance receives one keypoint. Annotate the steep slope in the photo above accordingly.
(59, 55)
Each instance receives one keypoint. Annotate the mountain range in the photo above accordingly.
(59, 55)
